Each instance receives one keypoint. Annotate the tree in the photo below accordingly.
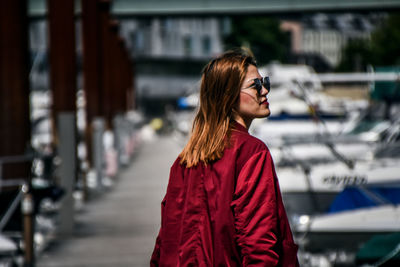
(262, 35)
(385, 45)
(356, 56)
(382, 50)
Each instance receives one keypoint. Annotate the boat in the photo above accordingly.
(310, 190)
(8, 251)
(290, 84)
(309, 181)
(380, 250)
(357, 214)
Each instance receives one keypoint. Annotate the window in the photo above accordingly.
(187, 45)
(206, 45)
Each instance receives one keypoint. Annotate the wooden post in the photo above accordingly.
(124, 62)
(106, 73)
(63, 86)
(92, 58)
(131, 83)
(119, 97)
(124, 71)
(14, 102)
(14, 86)
(62, 55)
(92, 67)
(27, 209)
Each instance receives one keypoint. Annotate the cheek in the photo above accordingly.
(245, 102)
(245, 99)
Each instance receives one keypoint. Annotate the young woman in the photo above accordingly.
(223, 205)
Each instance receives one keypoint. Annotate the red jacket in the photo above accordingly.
(228, 213)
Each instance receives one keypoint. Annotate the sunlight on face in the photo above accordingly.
(251, 105)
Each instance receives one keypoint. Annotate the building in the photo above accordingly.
(169, 55)
(193, 38)
(325, 35)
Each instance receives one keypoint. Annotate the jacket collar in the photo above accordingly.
(237, 126)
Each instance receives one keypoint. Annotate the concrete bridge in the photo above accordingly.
(230, 7)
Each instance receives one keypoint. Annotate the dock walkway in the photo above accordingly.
(119, 228)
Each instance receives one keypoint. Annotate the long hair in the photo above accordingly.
(219, 94)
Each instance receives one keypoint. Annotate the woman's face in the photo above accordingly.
(251, 104)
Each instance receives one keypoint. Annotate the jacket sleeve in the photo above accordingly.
(155, 257)
(255, 210)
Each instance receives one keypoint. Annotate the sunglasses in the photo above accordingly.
(259, 83)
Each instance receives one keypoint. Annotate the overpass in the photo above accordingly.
(37, 8)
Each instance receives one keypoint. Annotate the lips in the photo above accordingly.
(265, 102)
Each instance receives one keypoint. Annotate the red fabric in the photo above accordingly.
(229, 213)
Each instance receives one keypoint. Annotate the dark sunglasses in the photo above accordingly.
(259, 83)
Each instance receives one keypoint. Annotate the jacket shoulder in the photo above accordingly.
(248, 142)
(245, 146)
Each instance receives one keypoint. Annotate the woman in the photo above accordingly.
(223, 205)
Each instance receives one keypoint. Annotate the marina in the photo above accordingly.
(97, 99)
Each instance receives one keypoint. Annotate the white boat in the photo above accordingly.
(309, 184)
(310, 190)
(345, 230)
(274, 133)
(321, 147)
(311, 174)
(290, 84)
(8, 251)
(7, 246)
(356, 214)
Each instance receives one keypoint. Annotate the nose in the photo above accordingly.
(264, 91)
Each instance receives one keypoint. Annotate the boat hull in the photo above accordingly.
(299, 203)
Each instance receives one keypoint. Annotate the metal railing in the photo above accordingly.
(24, 197)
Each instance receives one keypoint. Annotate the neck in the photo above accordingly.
(243, 122)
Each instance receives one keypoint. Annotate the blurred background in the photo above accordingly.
(97, 99)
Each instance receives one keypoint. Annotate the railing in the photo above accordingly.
(24, 197)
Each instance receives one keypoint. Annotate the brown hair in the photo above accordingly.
(219, 94)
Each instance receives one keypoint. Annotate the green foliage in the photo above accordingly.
(382, 50)
(385, 45)
(356, 56)
(262, 35)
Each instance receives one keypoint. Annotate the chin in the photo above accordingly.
(265, 114)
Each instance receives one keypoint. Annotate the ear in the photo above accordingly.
(235, 107)
(234, 114)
